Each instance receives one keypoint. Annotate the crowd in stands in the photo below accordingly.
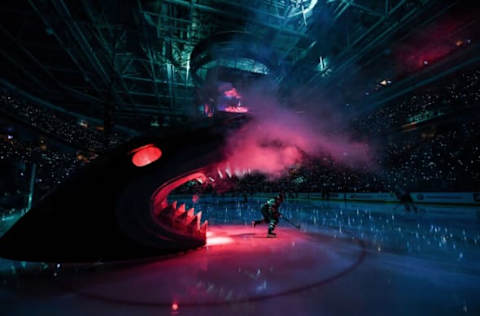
(75, 143)
(53, 166)
(435, 156)
(58, 125)
(457, 92)
(438, 155)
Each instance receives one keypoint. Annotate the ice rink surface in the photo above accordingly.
(347, 259)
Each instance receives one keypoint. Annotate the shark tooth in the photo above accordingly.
(194, 224)
(203, 228)
(220, 174)
(168, 212)
(159, 207)
(164, 203)
(188, 217)
(181, 208)
(182, 216)
(180, 211)
(199, 217)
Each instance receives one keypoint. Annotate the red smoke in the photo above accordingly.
(277, 139)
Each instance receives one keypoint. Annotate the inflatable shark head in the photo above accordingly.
(118, 206)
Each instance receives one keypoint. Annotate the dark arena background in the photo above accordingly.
(248, 157)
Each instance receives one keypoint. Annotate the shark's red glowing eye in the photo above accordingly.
(145, 155)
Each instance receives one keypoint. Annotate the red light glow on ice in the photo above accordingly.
(145, 155)
(214, 239)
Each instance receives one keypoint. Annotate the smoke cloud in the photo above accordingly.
(278, 138)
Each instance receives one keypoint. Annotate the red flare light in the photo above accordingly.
(145, 155)
(236, 109)
(232, 93)
(174, 307)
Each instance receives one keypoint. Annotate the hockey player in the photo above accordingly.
(270, 213)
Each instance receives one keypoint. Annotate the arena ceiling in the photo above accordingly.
(130, 60)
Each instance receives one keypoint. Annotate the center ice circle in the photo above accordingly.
(244, 265)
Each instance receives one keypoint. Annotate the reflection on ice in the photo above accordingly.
(376, 258)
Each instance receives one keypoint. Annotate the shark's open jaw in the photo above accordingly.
(176, 218)
(126, 192)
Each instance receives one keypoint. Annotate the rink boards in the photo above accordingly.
(467, 198)
(463, 198)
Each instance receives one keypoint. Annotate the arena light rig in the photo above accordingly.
(231, 102)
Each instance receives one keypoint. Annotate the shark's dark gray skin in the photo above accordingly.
(114, 210)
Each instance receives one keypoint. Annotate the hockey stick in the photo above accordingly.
(293, 224)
